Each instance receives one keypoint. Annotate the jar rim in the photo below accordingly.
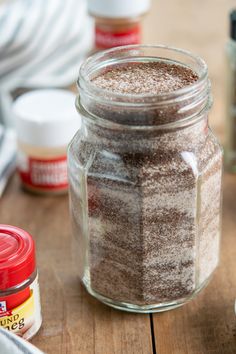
(85, 83)
(178, 106)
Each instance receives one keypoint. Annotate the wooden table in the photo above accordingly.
(74, 322)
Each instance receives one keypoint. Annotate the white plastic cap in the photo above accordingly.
(46, 118)
(118, 8)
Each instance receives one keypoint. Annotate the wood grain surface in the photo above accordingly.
(207, 324)
(74, 322)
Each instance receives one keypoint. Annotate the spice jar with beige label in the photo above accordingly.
(20, 310)
(117, 22)
(145, 178)
(45, 123)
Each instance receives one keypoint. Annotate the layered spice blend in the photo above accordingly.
(153, 211)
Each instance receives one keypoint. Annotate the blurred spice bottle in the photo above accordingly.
(117, 22)
(46, 121)
(20, 310)
(230, 146)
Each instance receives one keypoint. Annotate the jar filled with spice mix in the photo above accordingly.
(45, 122)
(20, 310)
(145, 178)
(117, 23)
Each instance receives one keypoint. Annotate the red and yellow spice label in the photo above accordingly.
(20, 318)
(25, 319)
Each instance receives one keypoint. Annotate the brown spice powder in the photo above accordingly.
(146, 78)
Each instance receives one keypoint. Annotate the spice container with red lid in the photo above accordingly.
(117, 23)
(45, 121)
(20, 310)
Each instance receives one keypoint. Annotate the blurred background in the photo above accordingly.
(43, 43)
(202, 27)
(49, 39)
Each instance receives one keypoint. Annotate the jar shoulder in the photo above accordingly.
(210, 155)
(132, 166)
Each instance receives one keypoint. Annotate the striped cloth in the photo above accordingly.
(42, 44)
(7, 157)
(12, 344)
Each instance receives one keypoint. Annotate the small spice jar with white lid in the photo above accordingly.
(117, 23)
(45, 121)
(20, 310)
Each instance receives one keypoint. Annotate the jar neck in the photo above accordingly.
(165, 110)
(118, 139)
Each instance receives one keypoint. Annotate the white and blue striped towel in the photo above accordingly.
(12, 344)
(7, 157)
(42, 44)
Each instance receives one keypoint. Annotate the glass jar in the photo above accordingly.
(145, 186)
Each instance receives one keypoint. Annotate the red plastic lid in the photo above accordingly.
(17, 256)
